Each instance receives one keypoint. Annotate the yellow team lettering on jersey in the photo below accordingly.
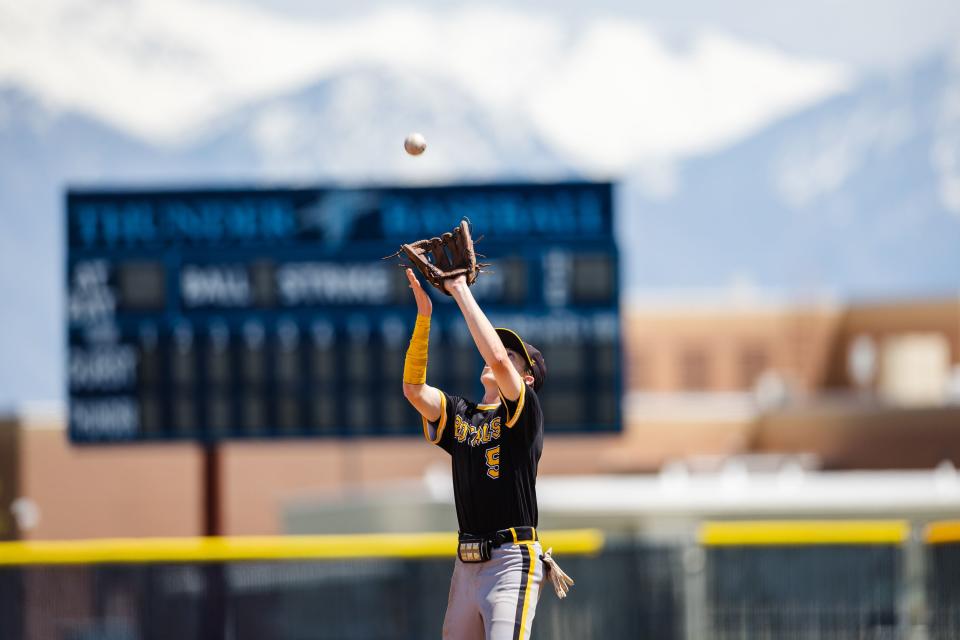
(460, 429)
(478, 435)
(495, 428)
(493, 461)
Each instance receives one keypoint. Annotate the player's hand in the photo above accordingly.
(453, 283)
(424, 304)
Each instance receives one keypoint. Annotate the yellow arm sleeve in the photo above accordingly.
(415, 364)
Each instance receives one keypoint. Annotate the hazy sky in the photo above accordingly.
(863, 33)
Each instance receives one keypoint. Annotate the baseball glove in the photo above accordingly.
(449, 256)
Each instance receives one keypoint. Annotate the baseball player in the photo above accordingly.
(495, 446)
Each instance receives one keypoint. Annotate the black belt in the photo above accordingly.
(477, 548)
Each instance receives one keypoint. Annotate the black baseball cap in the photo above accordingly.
(538, 368)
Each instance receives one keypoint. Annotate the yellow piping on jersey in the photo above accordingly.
(440, 425)
(488, 407)
(513, 420)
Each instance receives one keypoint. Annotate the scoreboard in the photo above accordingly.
(210, 314)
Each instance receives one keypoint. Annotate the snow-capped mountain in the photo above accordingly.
(350, 128)
(604, 90)
(859, 196)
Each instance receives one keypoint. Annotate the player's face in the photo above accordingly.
(518, 362)
(487, 377)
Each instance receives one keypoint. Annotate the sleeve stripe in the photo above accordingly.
(512, 420)
(440, 425)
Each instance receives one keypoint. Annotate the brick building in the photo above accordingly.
(863, 386)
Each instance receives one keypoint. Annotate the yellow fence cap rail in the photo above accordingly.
(127, 550)
(803, 532)
(573, 541)
(942, 532)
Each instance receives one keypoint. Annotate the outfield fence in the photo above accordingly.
(735, 580)
(783, 580)
(943, 579)
(313, 587)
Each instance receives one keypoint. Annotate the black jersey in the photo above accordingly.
(494, 451)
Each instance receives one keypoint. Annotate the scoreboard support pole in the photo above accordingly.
(215, 604)
(212, 522)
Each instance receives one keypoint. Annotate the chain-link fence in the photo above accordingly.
(943, 581)
(784, 592)
(627, 591)
(763, 585)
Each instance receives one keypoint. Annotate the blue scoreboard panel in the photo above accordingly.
(261, 313)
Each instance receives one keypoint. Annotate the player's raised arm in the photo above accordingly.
(486, 339)
(425, 399)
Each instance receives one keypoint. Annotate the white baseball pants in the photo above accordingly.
(497, 599)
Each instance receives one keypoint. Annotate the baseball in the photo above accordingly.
(415, 144)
